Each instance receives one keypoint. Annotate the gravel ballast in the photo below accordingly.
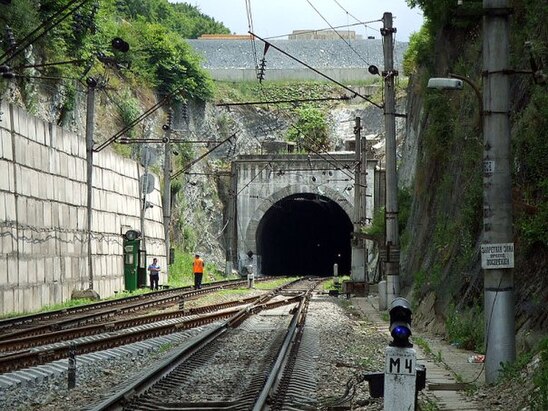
(348, 347)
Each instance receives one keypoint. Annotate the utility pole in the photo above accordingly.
(90, 119)
(392, 264)
(231, 228)
(358, 260)
(363, 208)
(167, 187)
(497, 250)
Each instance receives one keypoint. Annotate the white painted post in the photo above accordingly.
(250, 276)
(383, 303)
(336, 274)
(400, 377)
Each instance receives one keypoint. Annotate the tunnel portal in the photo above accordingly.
(304, 234)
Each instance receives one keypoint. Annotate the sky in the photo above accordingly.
(280, 17)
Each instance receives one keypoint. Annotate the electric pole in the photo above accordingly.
(497, 250)
(358, 260)
(90, 119)
(363, 208)
(231, 228)
(392, 244)
(167, 187)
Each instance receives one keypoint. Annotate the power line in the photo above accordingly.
(36, 34)
(365, 23)
(301, 100)
(338, 34)
(316, 71)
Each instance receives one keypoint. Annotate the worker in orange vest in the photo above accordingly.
(198, 268)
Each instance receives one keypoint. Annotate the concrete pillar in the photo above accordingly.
(382, 296)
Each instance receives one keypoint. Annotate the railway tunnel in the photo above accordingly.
(304, 234)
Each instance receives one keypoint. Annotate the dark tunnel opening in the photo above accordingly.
(304, 234)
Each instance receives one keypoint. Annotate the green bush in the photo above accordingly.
(539, 400)
(310, 131)
(376, 229)
(419, 51)
(466, 327)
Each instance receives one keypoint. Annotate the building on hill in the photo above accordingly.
(324, 35)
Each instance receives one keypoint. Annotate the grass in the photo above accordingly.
(53, 307)
(330, 284)
(271, 284)
(427, 405)
(181, 274)
(465, 327)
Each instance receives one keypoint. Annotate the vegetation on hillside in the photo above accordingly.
(447, 194)
(158, 56)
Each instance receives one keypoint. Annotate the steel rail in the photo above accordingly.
(34, 340)
(276, 371)
(175, 292)
(141, 385)
(22, 359)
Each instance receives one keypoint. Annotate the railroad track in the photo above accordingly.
(52, 321)
(34, 349)
(171, 385)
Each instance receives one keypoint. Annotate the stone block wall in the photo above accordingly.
(43, 214)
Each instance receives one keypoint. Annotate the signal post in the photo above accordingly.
(400, 371)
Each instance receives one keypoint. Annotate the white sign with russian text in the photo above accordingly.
(495, 256)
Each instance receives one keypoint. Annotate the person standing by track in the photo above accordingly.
(198, 268)
(154, 274)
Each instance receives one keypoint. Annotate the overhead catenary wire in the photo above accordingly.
(317, 71)
(326, 156)
(133, 123)
(249, 14)
(37, 33)
(294, 100)
(336, 32)
(359, 23)
(365, 24)
(188, 166)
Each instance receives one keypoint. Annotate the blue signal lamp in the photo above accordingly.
(400, 323)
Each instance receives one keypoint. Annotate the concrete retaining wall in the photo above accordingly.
(296, 74)
(43, 215)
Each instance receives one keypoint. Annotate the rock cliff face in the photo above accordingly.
(204, 197)
(198, 222)
(441, 165)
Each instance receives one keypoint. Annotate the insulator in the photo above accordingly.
(184, 111)
(262, 67)
(170, 117)
(10, 38)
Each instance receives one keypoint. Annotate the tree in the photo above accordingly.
(311, 129)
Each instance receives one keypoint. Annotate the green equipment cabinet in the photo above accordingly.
(132, 257)
(142, 269)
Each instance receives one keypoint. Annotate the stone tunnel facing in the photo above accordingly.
(304, 234)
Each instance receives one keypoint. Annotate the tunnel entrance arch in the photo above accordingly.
(304, 234)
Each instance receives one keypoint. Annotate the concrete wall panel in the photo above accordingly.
(43, 214)
(6, 149)
(3, 273)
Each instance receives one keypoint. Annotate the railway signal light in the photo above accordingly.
(132, 235)
(400, 322)
(119, 44)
